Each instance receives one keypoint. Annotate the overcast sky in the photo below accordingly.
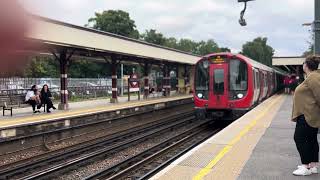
(278, 20)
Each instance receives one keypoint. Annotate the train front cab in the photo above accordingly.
(221, 87)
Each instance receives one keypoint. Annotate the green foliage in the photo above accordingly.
(207, 47)
(310, 50)
(225, 49)
(171, 43)
(115, 21)
(153, 37)
(200, 48)
(87, 69)
(188, 45)
(258, 50)
(42, 67)
(119, 22)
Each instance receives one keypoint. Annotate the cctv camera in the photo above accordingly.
(242, 22)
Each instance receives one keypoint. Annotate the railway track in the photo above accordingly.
(152, 160)
(57, 162)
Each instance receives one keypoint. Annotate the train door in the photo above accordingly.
(256, 85)
(268, 84)
(261, 96)
(265, 94)
(219, 85)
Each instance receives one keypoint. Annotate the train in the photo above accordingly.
(227, 85)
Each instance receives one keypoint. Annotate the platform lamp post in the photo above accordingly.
(122, 79)
(242, 21)
(316, 26)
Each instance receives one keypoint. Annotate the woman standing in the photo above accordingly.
(306, 114)
(46, 97)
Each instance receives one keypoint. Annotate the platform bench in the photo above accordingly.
(10, 102)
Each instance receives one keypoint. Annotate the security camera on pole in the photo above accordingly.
(242, 21)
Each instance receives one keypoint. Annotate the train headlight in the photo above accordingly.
(200, 95)
(240, 95)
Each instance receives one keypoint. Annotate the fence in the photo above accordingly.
(84, 87)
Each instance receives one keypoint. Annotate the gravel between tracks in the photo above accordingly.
(113, 159)
(29, 153)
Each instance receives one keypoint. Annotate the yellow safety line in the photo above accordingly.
(206, 170)
(15, 121)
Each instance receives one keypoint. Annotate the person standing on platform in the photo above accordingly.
(46, 98)
(33, 99)
(306, 114)
(286, 85)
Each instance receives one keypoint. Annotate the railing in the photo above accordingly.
(77, 88)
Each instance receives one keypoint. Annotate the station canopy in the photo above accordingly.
(52, 34)
(287, 61)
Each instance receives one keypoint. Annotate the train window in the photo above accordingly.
(218, 81)
(258, 80)
(254, 79)
(202, 76)
(202, 79)
(265, 81)
(238, 75)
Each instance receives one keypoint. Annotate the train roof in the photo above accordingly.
(254, 63)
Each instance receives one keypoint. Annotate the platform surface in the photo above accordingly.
(257, 146)
(25, 115)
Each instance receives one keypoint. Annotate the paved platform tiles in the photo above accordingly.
(25, 115)
(235, 153)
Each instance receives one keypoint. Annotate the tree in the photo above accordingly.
(188, 45)
(309, 51)
(208, 47)
(311, 46)
(259, 51)
(171, 43)
(225, 49)
(153, 37)
(42, 67)
(83, 68)
(115, 21)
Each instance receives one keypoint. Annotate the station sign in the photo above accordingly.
(133, 83)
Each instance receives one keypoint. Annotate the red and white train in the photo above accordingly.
(227, 85)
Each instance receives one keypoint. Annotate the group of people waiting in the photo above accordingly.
(290, 83)
(36, 99)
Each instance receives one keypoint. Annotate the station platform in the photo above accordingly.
(258, 146)
(24, 122)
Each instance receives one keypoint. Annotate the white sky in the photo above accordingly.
(278, 20)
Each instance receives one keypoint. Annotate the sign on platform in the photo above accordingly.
(133, 85)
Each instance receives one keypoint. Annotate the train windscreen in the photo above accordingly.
(238, 75)
(238, 79)
(202, 79)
